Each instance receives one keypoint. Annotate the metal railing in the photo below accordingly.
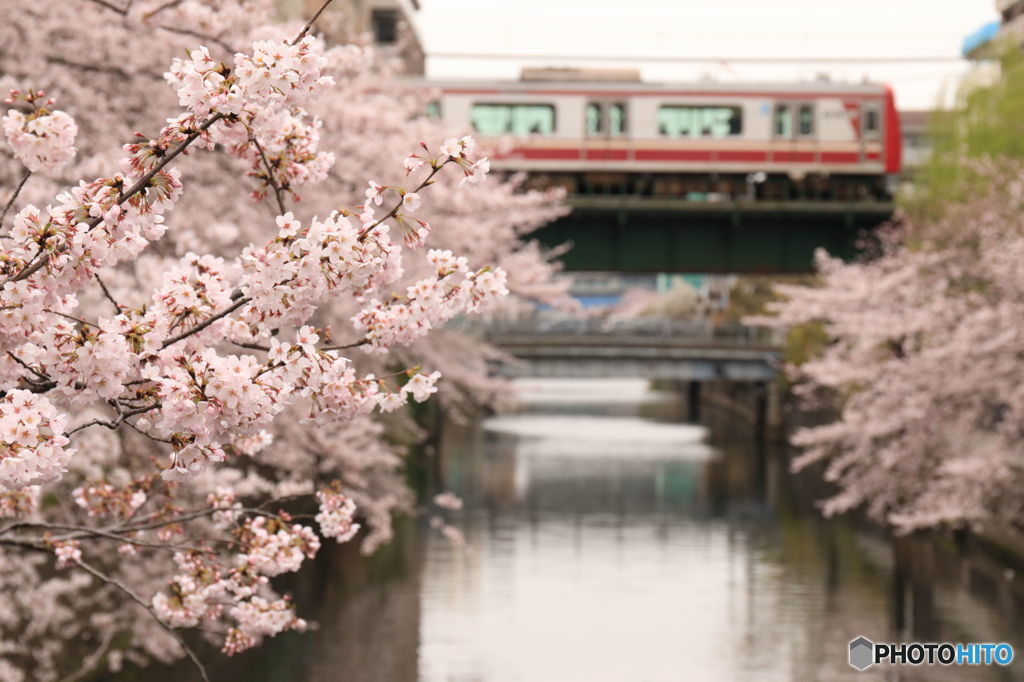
(611, 331)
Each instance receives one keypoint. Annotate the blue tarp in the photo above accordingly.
(983, 35)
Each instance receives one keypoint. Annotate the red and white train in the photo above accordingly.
(814, 140)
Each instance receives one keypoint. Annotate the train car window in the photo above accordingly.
(385, 26)
(806, 119)
(617, 119)
(871, 121)
(513, 119)
(700, 121)
(594, 119)
(783, 121)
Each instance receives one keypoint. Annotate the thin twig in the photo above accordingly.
(138, 600)
(92, 659)
(114, 424)
(106, 292)
(345, 346)
(309, 24)
(71, 317)
(150, 436)
(167, 5)
(17, 191)
(123, 11)
(397, 207)
(111, 6)
(27, 366)
(270, 173)
(94, 422)
(206, 323)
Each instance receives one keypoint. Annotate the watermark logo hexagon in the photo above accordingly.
(862, 652)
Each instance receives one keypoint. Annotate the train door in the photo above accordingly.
(783, 132)
(870, 132)
(806, 133)
(606, 126)
(783, 149)
(794, 146)
(794, 133)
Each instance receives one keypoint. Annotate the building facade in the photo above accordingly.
(390, 24)
(1009, 28)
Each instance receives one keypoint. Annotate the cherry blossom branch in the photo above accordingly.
(138, 600)
(270, 173)
(107, 294)
(124, 196)
(101, 68)
(40, 375)
(394, 211)
(344, 346)
(120, 420)
(17, 191)
(170, 4)
(93, 659)
(165, 27)
(84, 532)
(84, 323)
(309, 24)
(207, 322)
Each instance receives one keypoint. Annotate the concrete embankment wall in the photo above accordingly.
(769, 409)
(761, 407)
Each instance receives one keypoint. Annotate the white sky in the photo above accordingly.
(495, 38)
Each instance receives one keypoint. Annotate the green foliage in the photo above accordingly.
(750, 296)
(804, 342)
(987, 123)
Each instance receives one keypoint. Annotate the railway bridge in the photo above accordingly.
(691, 177)
(626, 233)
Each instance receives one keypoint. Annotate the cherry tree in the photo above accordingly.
(923, 363)
(189, 394)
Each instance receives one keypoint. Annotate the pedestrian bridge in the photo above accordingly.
(650, 349)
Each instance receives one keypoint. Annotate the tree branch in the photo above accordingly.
(123, 11)
(139, 185)
(17, 191)
(309, 24)
(106, 293)
(206, 323)
(138, 600)
(397, 207)
(270, 173)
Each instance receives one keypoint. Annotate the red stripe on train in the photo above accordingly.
(607, 155)
(547, 154)
(671, 155)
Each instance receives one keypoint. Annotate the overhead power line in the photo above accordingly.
(913, 59)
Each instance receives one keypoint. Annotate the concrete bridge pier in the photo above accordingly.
(693, 401)
(756, 405)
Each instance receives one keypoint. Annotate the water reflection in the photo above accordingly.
(606, 546)
(607, 541)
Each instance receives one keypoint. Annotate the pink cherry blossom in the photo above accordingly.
(42, 140)
(411, 201)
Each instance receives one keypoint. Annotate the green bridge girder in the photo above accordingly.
(643, 234)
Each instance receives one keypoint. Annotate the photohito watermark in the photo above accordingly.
(864, 653)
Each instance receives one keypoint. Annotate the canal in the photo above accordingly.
(607, 541)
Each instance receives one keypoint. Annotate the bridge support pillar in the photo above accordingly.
(693, 402)
(760, 411)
